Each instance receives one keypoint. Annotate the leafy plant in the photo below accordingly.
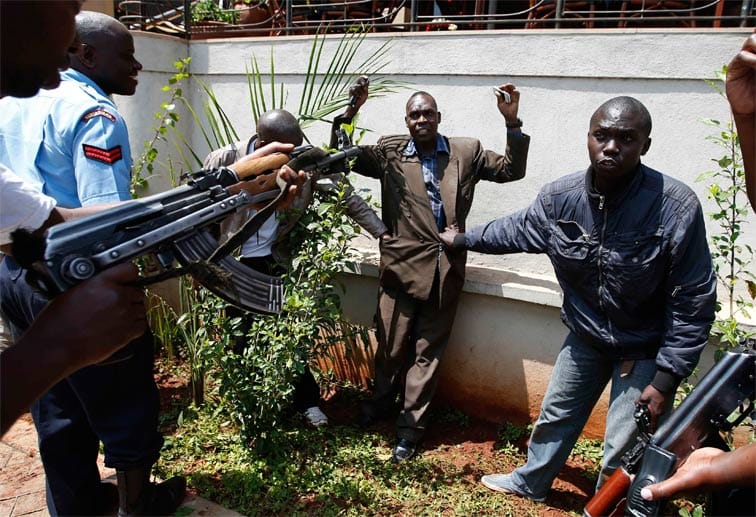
(167, 118)
(326, 85)
(591, 451)
(452, 416)
(204, 327)
(163, 324)
(258, 384)
(161, 316)
(732, 257)
(211, 10)
(697, 511)
(511, 438)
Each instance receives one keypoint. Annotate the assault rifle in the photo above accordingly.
(175, 226)
(719, 402)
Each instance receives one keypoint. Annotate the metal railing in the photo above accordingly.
(308, 16)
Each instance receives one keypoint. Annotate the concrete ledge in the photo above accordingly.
(491, 281)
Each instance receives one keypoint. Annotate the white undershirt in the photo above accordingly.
(21, 206)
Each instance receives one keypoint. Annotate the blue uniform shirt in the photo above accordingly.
(70, 143)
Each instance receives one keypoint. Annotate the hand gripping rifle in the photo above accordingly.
(719, 402)
(175, 226)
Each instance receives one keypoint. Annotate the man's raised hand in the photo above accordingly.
(741, 79)
(509, 109)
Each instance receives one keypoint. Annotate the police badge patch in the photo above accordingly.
(109, 156)
(98, 112)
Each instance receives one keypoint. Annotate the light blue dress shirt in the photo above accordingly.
(70, 143)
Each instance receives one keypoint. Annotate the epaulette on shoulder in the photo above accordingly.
(99, 112)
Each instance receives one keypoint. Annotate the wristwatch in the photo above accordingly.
(515, 125)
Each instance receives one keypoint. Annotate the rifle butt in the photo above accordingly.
(609, 501)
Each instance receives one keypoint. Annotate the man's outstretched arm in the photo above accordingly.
(358, 94)
(741, 93)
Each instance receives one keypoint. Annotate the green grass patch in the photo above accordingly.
(337, 470)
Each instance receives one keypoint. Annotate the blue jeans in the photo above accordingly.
(115, 401)
(580, 375)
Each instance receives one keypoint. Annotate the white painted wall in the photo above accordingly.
(507, 331)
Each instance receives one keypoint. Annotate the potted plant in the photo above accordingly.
(209, 19)
(254, 12)
(204, 11)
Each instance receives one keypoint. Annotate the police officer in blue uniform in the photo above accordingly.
(73, 145)
(70, 142)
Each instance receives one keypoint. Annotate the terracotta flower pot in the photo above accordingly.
(254, 14)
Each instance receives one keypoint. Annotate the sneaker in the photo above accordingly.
(403, 451)
(503, 483)
(315, 417)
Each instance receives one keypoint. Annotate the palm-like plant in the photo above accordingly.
(325, 91)
(731, 255)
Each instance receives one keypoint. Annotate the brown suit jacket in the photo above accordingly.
(409, 256)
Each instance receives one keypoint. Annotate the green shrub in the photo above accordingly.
(256, 386)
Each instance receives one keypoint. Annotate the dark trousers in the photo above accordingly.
(306, 389)
(412, 337)
(115, 402)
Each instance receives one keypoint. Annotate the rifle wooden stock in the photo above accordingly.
(246, 168)
(609, 501)
(258, 184)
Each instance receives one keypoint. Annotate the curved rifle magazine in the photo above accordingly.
(228, 278)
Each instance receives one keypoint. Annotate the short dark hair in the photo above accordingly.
(424, 94)
(93, 27)
(279, 126)
(625, 102)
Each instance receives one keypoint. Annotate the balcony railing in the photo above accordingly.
(275, 17)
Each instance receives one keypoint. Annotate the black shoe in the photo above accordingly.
(168, 496)
(403, 451)
(138, 496)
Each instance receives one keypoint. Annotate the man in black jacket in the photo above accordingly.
(628, 246)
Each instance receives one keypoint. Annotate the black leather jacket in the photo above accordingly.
(636, 272)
